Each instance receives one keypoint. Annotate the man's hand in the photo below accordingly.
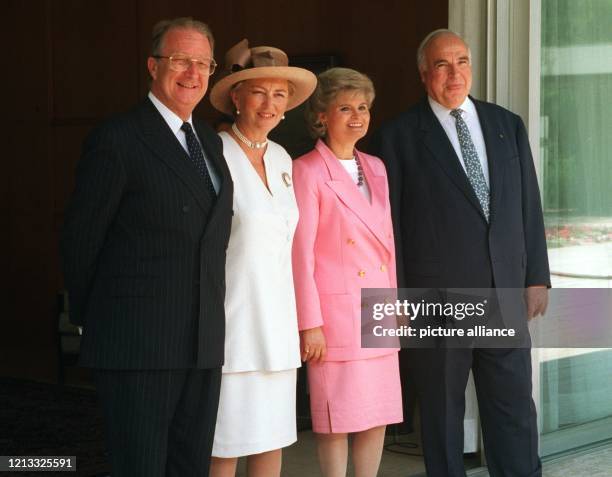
(537, 301)
(312, 344)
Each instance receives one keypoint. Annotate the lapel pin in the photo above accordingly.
(286, 179)
(501, 136)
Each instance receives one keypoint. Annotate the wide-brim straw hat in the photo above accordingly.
(243, 63)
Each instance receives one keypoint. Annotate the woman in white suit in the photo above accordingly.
(256, 416)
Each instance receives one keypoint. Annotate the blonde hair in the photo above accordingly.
(331, 83)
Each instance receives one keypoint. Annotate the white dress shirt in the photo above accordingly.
(175, 123)
(470, 117)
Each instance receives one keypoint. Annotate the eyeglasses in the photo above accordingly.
(180, 63)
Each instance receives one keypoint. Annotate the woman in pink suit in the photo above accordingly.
(343, 243)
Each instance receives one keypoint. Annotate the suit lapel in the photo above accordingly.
(494, 142)
(225, 196)
(372, 215)
(164, 144)
(439, 145)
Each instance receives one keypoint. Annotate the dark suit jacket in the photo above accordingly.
(143, 247)
(442, 237)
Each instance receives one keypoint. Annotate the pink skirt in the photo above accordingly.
(353, 396)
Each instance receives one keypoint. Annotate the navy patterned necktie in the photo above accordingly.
(197, 157)
(472, 163)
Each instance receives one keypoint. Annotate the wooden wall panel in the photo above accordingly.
(66, 144)
(95, 57)
(380, 39)
(25, 61)
(27, 192)
(27, 335)
(297, 28)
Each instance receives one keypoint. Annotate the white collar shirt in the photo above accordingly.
(470, 116)
(175, 123)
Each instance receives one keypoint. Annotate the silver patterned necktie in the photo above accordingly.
(472, 163)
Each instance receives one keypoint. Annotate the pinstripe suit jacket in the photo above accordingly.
(143, 247)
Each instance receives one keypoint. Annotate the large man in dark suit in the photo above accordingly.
(143, 251)
(467, 213)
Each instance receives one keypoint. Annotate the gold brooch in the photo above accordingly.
(286, 179)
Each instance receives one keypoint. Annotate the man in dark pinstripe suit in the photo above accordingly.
(143, 249)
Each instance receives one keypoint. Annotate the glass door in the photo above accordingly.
(575, 385)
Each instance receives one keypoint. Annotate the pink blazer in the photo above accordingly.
(342, 243)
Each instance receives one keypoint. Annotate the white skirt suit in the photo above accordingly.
(257, 402)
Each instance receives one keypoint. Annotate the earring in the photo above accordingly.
(237, 112)
(282, 117)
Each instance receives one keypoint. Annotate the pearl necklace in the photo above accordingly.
(248, 142)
